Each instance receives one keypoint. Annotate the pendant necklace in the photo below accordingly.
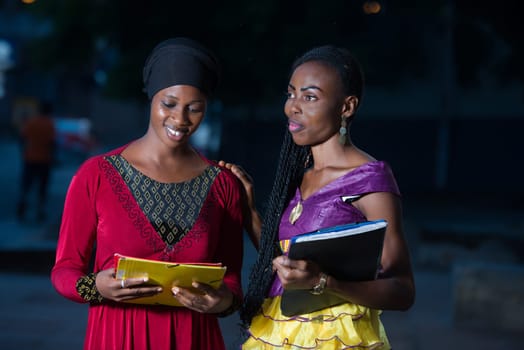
(296, 212)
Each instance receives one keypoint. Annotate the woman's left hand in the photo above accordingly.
(206, 300)
(296, 274)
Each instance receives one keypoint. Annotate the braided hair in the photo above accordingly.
(289, 174)
(293, 161)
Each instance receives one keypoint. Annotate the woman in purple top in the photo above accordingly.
(323, 180)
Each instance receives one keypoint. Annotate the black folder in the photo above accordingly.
(349, 252)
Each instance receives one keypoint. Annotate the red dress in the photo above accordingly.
(115, 207)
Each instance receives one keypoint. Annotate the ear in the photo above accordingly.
(350, 106)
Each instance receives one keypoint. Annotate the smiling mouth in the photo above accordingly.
(177, 132)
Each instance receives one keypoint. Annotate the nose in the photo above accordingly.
(179, 116)
(292, 106)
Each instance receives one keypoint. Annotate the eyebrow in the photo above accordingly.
(313, 87)
(192, 101)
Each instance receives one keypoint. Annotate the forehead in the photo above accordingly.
(316, 72)
(182, 91)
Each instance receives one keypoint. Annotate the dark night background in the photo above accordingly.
(443, 104)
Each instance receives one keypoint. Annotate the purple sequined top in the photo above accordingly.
(329, 206)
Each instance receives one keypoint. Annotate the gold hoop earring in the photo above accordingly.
(343, 131)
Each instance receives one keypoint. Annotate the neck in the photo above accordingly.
(152, 148)
(331, 154)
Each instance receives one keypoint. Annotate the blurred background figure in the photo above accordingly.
(38, 147)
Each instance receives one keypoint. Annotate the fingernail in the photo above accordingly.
(175, 290)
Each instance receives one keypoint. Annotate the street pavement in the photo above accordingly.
(34, 316)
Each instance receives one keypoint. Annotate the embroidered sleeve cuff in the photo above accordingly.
(86, 288)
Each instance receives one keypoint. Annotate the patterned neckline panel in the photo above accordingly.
(172, 208)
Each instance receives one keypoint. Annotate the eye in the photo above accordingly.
(310, 97)
(289, 95)
(168, 104)
(195, 110)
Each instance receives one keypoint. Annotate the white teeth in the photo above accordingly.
(174, 132)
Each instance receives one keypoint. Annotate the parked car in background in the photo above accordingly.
(74, 139)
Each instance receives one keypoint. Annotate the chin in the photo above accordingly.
(298, 140)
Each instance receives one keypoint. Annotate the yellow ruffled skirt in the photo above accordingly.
(345, 326)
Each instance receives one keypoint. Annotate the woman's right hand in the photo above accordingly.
(120, 290)
(252, 220)
(296, 274)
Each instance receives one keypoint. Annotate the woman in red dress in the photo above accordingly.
(154, 198)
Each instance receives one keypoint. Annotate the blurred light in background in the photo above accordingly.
(28, 1)
(5, 63)
(371, 7)
(100, 77)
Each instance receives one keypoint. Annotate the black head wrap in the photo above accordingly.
(180, 61)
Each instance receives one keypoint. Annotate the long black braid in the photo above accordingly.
(289, 174)
(290, 170)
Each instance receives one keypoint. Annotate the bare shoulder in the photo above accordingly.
(380, 205)
(357, 157)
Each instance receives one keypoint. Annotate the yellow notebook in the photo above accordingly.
(167, 274)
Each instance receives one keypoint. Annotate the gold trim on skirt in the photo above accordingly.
(345, 326)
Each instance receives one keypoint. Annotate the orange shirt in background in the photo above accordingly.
(39, 136)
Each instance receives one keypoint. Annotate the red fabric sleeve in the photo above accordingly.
(77, 232)
(230, 246)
